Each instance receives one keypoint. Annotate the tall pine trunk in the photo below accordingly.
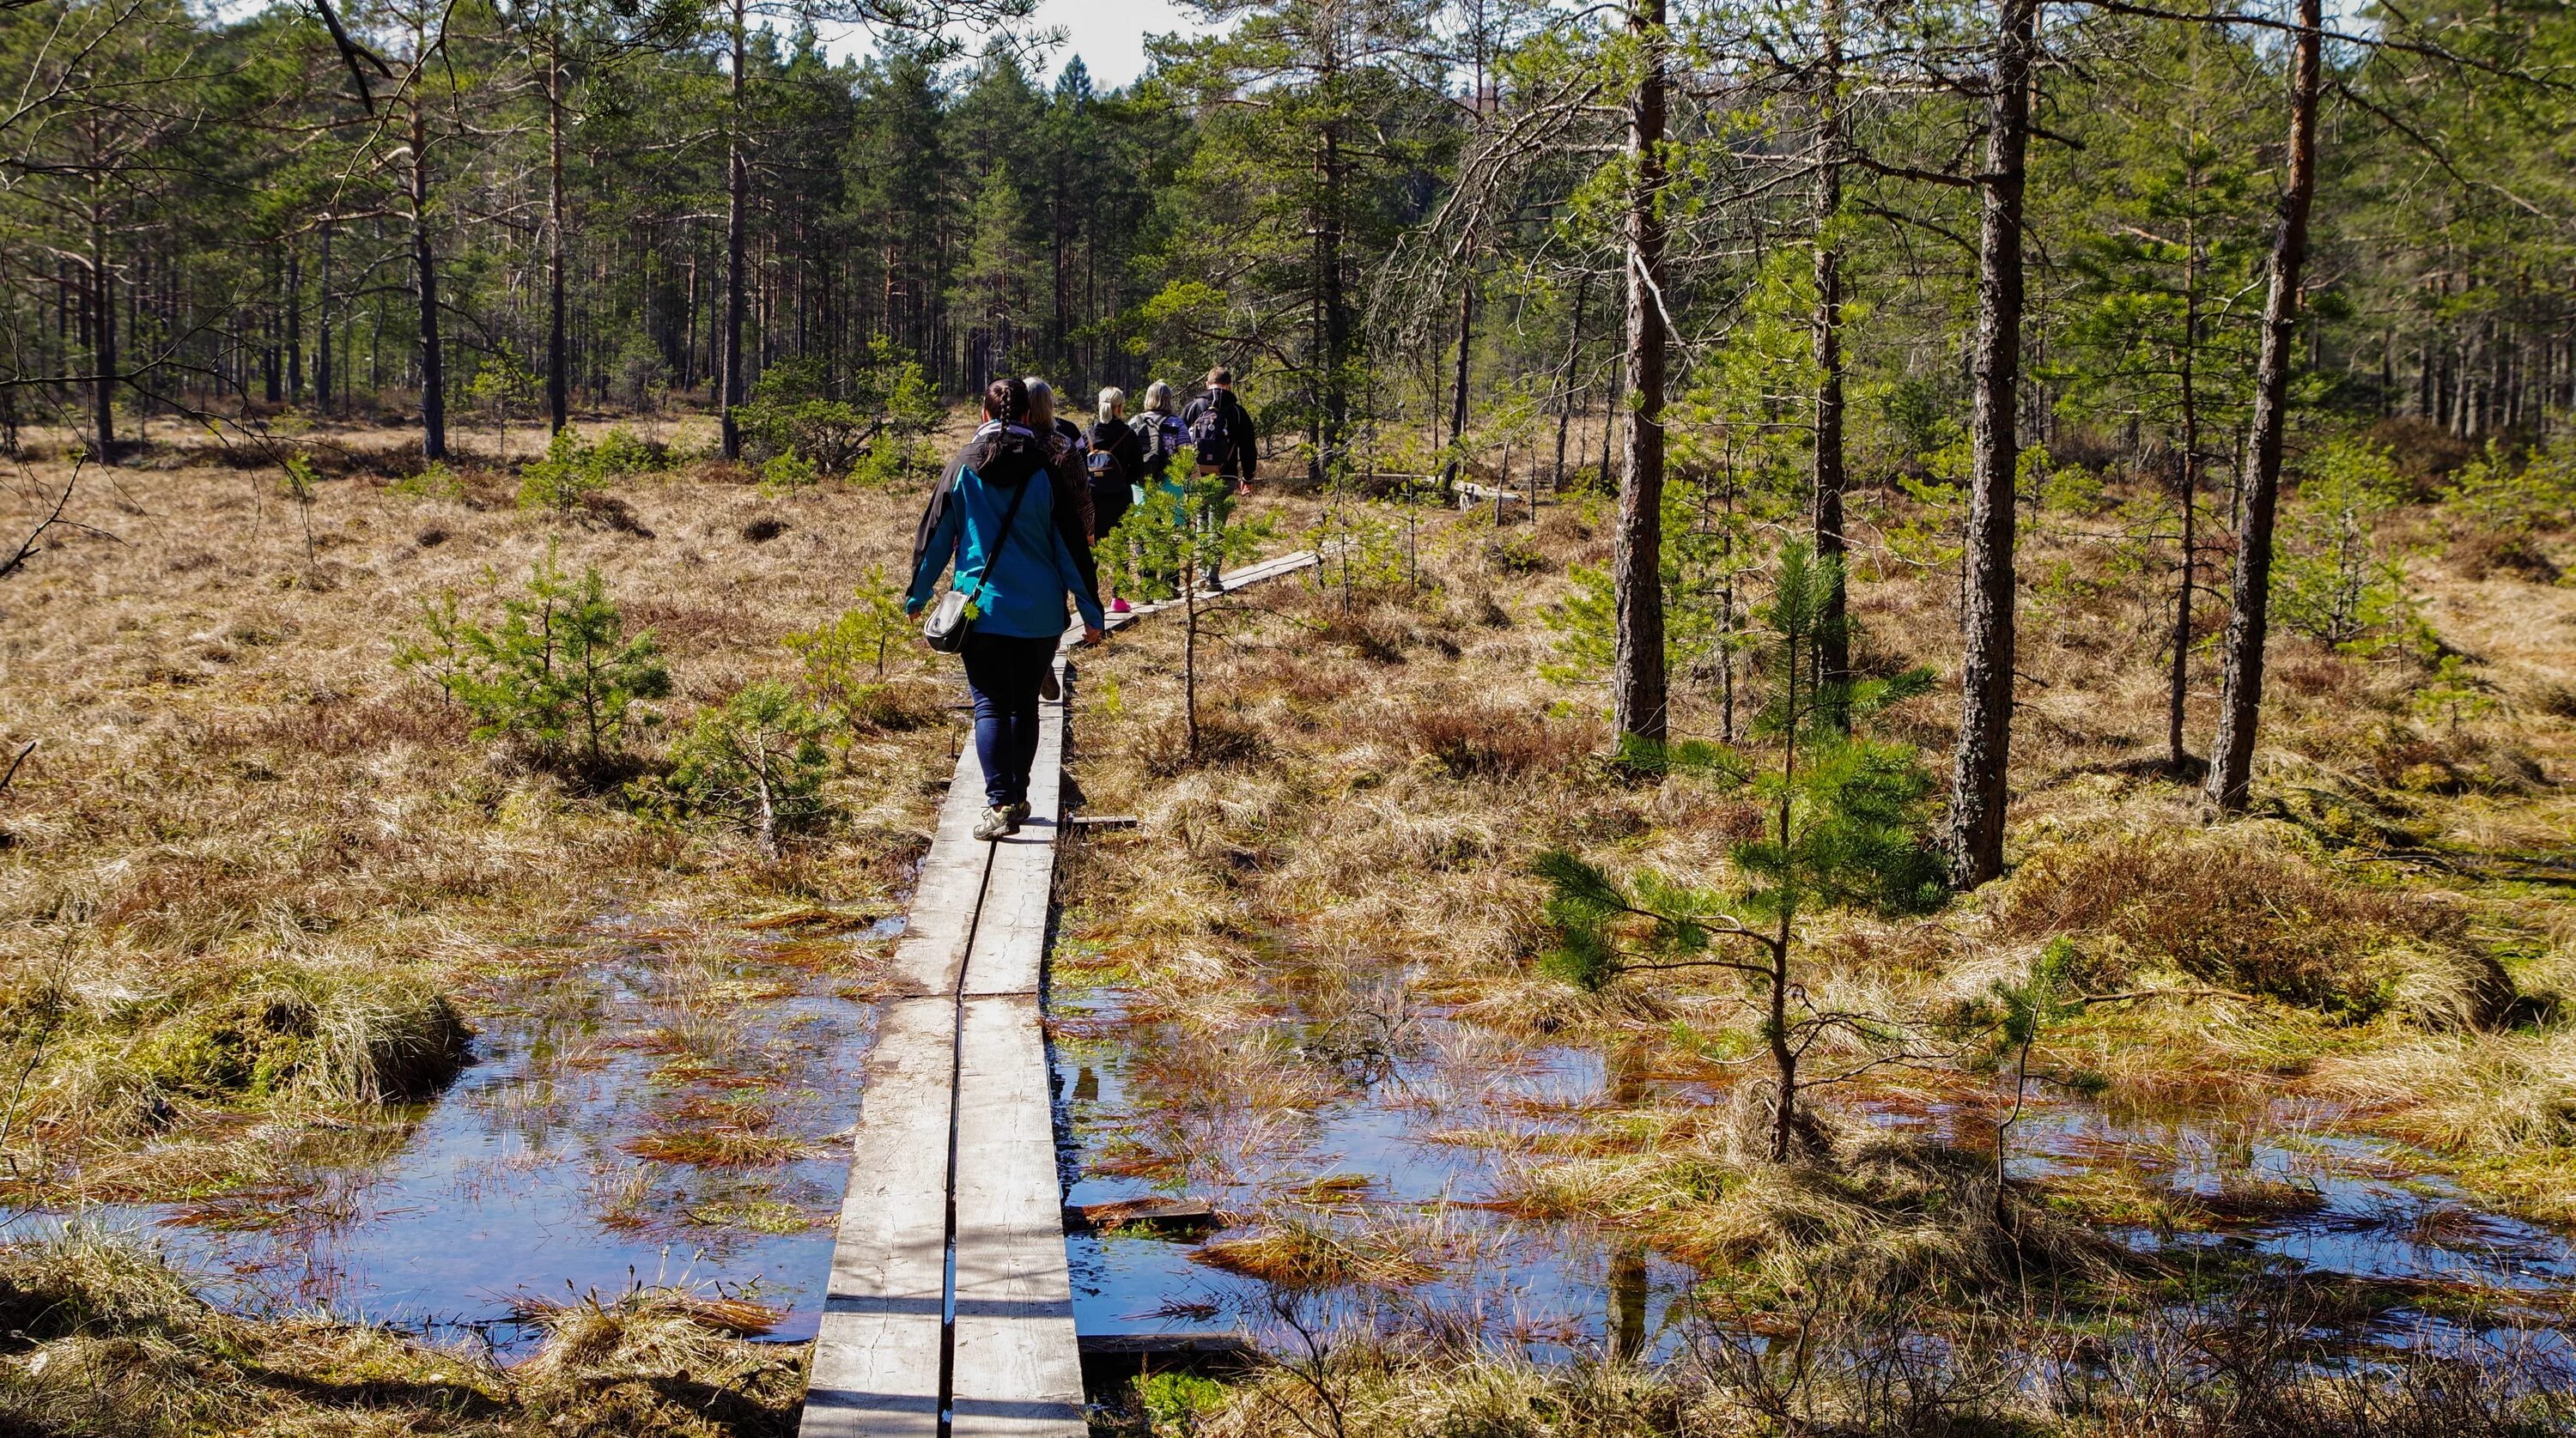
(730, 389)
(2177, 687)
(1833, 643)
(1637, 673)
(433, 366)
(102, 290)
(2240, 701)
(558, 356)
(323, 351)
(1981, 764)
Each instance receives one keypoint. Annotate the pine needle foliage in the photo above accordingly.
(558, 675)
(1849, 826)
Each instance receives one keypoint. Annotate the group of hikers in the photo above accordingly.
(1017, 515)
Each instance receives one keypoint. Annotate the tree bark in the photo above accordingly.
(1981, 764)
(2177, 688)
(322, 319)
(1637, 679)
(730, 389)
(1833, 642)
(433, 367)
(558, 356)
(102, 290)
(1451, 472)
(2240, 702)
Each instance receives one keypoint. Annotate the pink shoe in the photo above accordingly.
(1118, 606)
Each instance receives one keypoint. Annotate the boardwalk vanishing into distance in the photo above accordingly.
(950, 1308)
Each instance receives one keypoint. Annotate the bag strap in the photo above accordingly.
(1010, 513)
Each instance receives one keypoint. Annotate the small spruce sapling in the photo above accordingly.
(1162, 550)
(1848, 826)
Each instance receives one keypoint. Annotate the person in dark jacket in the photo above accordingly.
(1222, 428)
(1067, 450)
(1117, 459)
(1160, 436)
(994, 515)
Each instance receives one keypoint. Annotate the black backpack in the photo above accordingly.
(1210, 430)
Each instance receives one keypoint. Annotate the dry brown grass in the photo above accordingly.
(250, 861)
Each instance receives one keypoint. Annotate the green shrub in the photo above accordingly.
(788, 470)
(435, 481)
(558, 674)
(622, 452)
(569, 470)
(2330, 580)
(845, 660)
(797, 407)
(756, 758)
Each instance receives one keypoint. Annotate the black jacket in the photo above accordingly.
(1111, 496)
(1242, 455)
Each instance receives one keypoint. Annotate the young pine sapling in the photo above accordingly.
(1847, 825)
(558, 674)
(1165, 548)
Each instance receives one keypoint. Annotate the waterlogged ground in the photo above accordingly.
(663, 1105)
(1389, 1212)
(1379, 1154)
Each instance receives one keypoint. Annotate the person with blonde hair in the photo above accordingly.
(1115, 460)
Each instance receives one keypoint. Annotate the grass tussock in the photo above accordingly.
(106, 1340)
(2241, 912)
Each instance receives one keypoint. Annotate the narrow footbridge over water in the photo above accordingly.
(950, 1310)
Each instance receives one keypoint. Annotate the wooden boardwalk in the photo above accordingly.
(950, 1308)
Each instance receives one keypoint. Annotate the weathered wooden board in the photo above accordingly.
(954, 1158)
(877, 1352)
(1017, 1370)
(1010, 932)
(932, 951)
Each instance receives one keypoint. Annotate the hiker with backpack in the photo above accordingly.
(1221, 429)
(996, 516)
(1116, 458)
(1160, 434)
(1225, 445)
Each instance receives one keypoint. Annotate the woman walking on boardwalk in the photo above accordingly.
(994, 516)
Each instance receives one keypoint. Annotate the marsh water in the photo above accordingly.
(641, 1105)
(671, 1106)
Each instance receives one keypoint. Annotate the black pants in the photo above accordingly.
(1003, 671)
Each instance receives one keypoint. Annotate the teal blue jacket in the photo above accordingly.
(1018, 585)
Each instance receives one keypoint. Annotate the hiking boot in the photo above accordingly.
(1215, 582)
(998, 823)
(1049, 688)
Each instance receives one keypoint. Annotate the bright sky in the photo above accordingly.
(1109, 35)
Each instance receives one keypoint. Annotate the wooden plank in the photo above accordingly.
(878, 1348)
(1018, 1369)
(1010, 931)
(932, 952)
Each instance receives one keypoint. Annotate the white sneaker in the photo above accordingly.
(998, 823)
